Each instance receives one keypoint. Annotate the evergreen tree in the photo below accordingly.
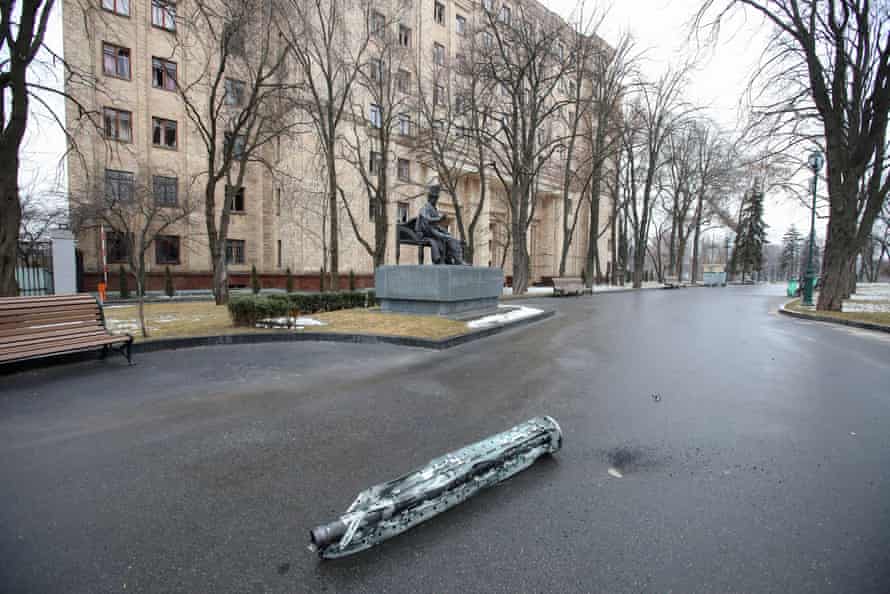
(254, 280)
(792, 242)
(123, 284)
(169, 289)
(748, 254)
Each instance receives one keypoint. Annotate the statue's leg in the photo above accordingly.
(435, 251)
(456, 250)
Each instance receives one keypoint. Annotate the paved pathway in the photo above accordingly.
(764, 466)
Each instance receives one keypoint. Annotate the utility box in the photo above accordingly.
(714, 275)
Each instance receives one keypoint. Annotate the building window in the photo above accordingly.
(234, 251)
(487, 39)
(404, 36)
(505, 14)
(163, 133)
(119, 185)
(404, 124)
(375, 116)
(117, 246)
(460, 24)
(376, 67)
(403, 169)
(118, 124)
(439, 54)
(378, 24)
(116, 61)
(439, 95)
(403, 81)
(376, 163)
(277, 202)
(439, 13)
(234, 92)
(167, 249)
(239, 145)
(487, 4)
(166, 190)
(279, 253)
(235, 198)
(561, 50)
(402, 212)
(163, 74)
(121, 7)
(163, 14)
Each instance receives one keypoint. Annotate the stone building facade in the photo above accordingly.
(134, 51)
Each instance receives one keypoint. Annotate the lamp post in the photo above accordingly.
(815, 161)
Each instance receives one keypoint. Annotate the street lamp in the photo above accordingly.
(815, 161)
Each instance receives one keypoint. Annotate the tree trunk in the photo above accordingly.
(639, 263)
(591, 265)
(220, 275)
(10, 219)
(334, 245)
(520, 260)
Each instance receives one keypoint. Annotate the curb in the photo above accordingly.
(830, 320)
(409, 341)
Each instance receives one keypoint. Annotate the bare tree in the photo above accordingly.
(381, 101)
(527, 60)
(22, 46)
(654, 113)
(234, 101)
(455, 103)
(828, 67)
(329, 48)
(139, 218)
(610, 70)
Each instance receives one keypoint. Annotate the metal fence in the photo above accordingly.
(34, 268)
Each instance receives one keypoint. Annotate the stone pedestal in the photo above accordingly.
(438, 290)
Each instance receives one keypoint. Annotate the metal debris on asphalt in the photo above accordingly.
(391, 508)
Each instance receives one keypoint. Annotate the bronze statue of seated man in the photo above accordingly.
(445, 248)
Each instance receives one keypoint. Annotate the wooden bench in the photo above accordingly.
(33, 327)
(568, 285)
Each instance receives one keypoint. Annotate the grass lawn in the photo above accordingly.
(203, 318)
(873, 317)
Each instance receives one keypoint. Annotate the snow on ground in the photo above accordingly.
(869, 297)
(510, 314)
(300, 322)
(544, 291)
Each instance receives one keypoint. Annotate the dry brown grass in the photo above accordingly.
(374, 321)
(882, 318)
(204, 318)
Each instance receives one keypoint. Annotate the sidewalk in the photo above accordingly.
(869, 308)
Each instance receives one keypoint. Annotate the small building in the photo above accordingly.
(714, 275)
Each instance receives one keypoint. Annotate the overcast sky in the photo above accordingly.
(660, 27)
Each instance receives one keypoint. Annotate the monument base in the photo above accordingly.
(438, 290)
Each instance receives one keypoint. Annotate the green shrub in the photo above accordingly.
(247, 310)
(123, 284)
(255, 285)
(169, 289)
(289, 281)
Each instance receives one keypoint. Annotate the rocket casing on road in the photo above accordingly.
(391, 508)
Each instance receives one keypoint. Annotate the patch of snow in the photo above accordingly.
(299, 323)
(512, 314)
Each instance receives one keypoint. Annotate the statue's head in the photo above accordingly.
(433, 190)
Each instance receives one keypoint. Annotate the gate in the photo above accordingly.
(34, 268)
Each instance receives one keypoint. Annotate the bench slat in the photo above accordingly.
(10, 334)
(11, 347)
(61, 347)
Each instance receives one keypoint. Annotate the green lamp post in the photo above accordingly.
(815, 162)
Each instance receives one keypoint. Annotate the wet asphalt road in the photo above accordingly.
(764, 466)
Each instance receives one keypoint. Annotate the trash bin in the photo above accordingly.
(793, 287)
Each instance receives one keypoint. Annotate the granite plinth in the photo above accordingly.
(438, 290)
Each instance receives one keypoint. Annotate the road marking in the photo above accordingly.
(615, 473)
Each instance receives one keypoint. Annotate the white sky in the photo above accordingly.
(660, 27)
